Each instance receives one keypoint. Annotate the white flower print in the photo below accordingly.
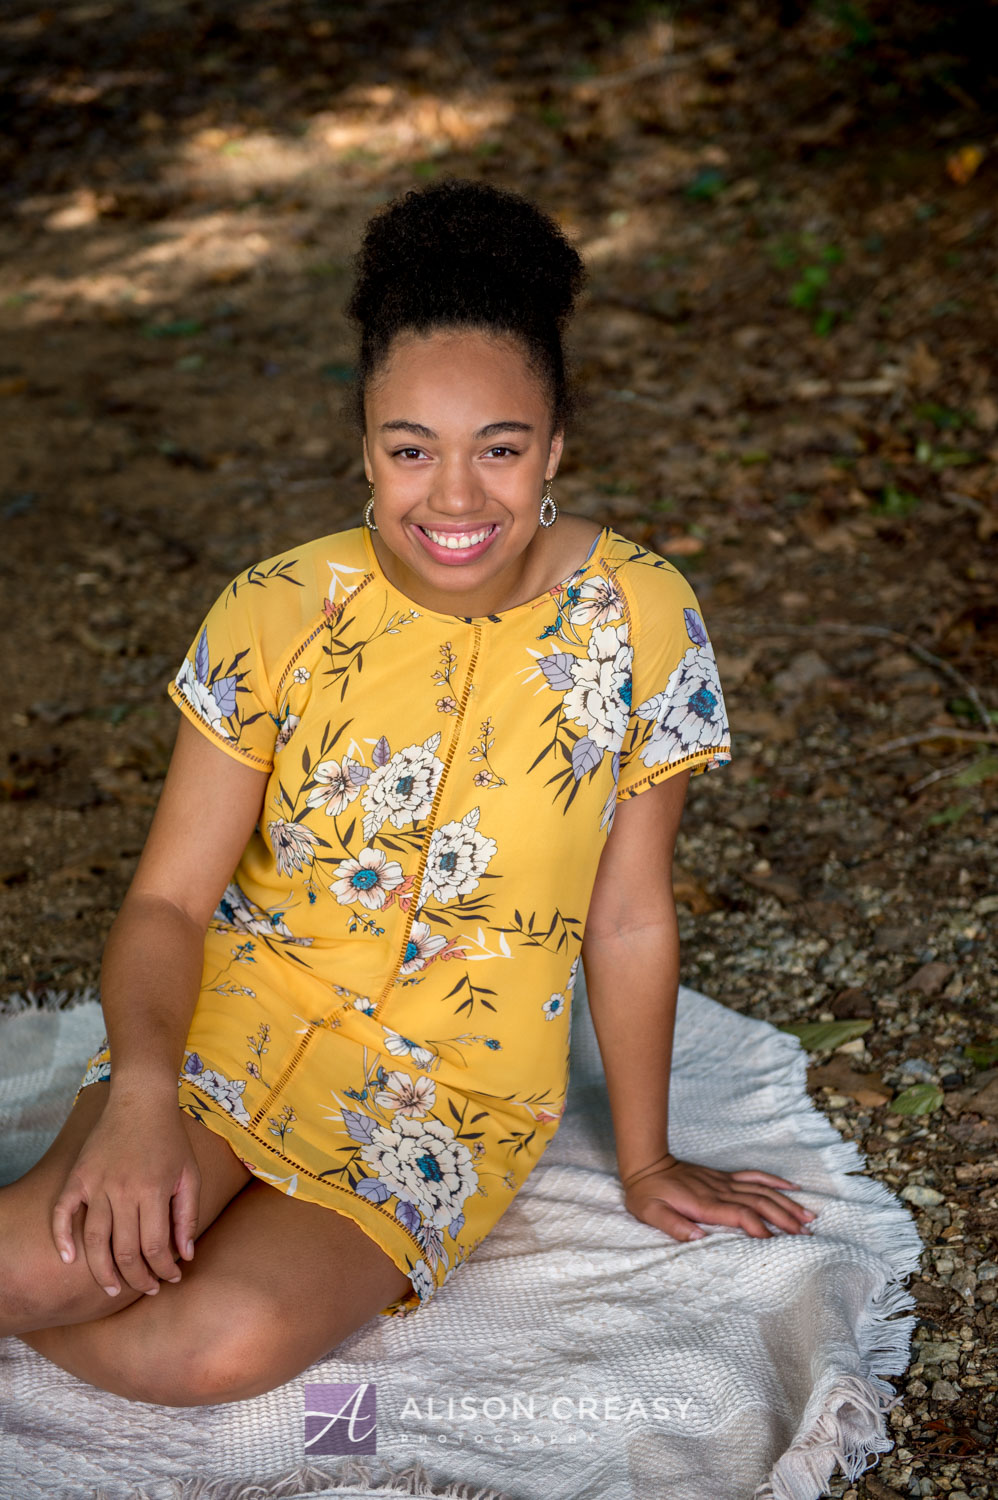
(338, 785)
(202, 699)
(421, 947)
(601, 681)
(600, 602)
(225, 1091)
(97, 1072)
(286, 730)
(301, 674)
(369, 879)
(293, 845)
(401, 1046)
(422, 1163)
(236, 910)
(553, 1007)
(422, 1282)
(689, 715)
(411, 1097)
(402, 789)
(457, 857)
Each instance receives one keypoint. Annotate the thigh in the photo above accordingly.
(69, 1293)
(276, 1283)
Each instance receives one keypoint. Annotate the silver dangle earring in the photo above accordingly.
(369, 521)
(549, 506)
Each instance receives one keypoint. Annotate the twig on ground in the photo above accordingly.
(976, 736)
(941, 775)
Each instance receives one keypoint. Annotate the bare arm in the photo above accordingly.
(631, 957)
(137, 1164)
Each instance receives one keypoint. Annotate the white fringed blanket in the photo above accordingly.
(578, 1355)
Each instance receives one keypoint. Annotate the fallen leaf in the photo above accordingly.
(920, 1099)
(930, 978)
(825, 1036)
(690, 892)
(962, 164)
(867, 1089)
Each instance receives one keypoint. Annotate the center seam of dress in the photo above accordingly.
(430, 822)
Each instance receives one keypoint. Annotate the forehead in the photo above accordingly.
(458, 372)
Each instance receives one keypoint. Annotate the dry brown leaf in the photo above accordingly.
(691, 892)
(867, 1089)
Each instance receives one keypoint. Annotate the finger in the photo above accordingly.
(781, 1211)
(71, 1199)
(97, 1246)
(766, 1178)
(126, 1243)
(154, 1238)
(660, 1216)
(185, 1212)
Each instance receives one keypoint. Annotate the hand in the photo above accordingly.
(673, 1197)
(137, 1164)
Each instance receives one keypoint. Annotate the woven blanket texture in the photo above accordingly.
(578, 1355)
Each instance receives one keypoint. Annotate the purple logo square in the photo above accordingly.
(341, 1419)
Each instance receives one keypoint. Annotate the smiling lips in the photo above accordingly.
(456, 545)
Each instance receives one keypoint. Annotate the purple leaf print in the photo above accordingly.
(358, 774)
(408, 1215)
(359, 1127)
(201, 657)
(694, 628)
(193, 1065)
(224, 693)
(381, 754)
(455, 1226)
(372, 1189)
(586, 756)
(615, 766)
(557, 668)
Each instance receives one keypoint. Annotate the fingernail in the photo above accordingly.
(809, 1215)
(66, 1256)
(189, 1249)
(696, 1234)
(173, 1278)
(112, 1291)
(152, 1290)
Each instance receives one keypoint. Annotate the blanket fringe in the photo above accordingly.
(47, 999)
(354, 1478)
(844, 1424)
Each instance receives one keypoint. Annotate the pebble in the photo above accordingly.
(934, 1354)
(922, 1197)
(964, 1282)
(944, 1390)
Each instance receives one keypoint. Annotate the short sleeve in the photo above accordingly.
(677, 716)
(224, 685)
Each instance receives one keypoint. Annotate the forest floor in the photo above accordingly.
(789, 213)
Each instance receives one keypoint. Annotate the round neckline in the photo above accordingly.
(595, 550)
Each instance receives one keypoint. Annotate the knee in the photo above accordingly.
(28, 1289)
(215, 1361)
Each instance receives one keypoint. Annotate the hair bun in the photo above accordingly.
(441, 250)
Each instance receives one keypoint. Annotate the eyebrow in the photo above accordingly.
(492, 430)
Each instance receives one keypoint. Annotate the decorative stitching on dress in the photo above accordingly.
(333, 615)
(655, 774)
(233, 745)
(417, 882)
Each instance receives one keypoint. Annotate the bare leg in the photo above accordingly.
(36, 1289)
(275, 1284)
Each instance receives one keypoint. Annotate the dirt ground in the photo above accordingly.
(787, 353)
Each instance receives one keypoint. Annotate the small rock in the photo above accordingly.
(964, 1282)
(852, 1004)
(950, 1081)
(936, 1354)
(944, 1390)
(930, 978)
(922, 1197)
(892, 939)
(917, 1067)
(987, 1270)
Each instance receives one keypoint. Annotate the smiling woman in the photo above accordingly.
(400, 812)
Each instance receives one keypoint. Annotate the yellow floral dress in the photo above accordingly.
(384, 1016)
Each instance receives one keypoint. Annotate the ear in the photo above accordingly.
(367, 461)
(554, 456)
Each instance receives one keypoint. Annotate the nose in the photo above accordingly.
(457, 489)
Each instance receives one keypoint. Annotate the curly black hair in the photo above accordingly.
(466, 254)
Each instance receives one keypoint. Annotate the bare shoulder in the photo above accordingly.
(577, 537)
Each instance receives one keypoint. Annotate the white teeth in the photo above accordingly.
(455, 542)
